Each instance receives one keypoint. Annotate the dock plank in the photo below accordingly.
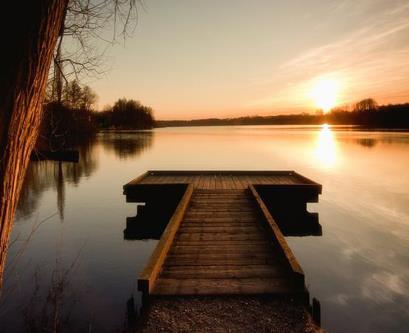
(233, 261)
(223, 240)
(220, 240)
(169, 286)
(220, 272)
(188, 229)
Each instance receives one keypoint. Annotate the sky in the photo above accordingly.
(191, 59)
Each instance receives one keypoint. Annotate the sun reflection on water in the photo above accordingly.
(325, 151)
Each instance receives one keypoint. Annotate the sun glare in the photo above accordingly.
(326, 151)
(325, 94)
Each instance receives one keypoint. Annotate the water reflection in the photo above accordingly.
(325, 150)
(127, 144)
(358, 269)
(366, 142)
(369, 140)
(60, 191)
(44, 175)
(288, 206)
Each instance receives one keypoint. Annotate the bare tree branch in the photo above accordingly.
(87, 23)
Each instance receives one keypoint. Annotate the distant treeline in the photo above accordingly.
(125, 114)
(365, 113)
(384, 116)
(254, 120)
(69, 118)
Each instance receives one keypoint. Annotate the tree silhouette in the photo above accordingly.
(77, 97)
(22, 84)
(126, 114)
(32, 30)
(366, 104)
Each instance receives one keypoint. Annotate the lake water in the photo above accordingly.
(68, 250)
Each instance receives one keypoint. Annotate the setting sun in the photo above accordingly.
(325, 93)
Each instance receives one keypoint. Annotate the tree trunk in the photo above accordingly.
(30, 30)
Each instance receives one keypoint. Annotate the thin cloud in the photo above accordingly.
(373, 61)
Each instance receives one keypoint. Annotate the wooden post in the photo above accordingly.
(316, 311)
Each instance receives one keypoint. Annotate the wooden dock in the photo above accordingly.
(221, 237)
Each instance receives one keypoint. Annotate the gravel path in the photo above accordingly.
(226, 314)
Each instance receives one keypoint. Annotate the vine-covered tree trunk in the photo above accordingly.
(30, 30)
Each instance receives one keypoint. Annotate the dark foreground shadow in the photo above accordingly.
(288, 207)
(155, 207)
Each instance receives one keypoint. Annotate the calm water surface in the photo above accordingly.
(68, 251)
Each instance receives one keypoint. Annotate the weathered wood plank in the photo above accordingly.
(217, 228)
(204, 204)
(229, 192)
(220, 246)
(151, 271)
(234, 261)
(212, 198)
(211, 224)
(219, 237)
(200, 182)
(223, 286)
(237, 214)
(204, 243)
(135, 181)
(244, 177)
(232, 249)
(223, 219)
(216, 198)
(220, 272)
(225, 211)
(279, 238)
(218, 256)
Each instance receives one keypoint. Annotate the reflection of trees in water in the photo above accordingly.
(45, 175)
(126, 143)
(402, 139)
(367, 142)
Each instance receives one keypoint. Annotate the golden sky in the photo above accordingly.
(191, 59)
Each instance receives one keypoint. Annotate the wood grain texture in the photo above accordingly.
(215, 252)
(169, 286)
(149, 275)
(224, 180)
(222, 238)
(278, 236)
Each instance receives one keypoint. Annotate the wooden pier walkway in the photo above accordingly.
(221, 238)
